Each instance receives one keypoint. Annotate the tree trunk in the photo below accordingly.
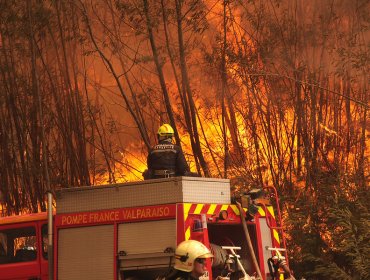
(186, 86)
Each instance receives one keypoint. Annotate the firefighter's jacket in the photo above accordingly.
(187, 278)
(165, 160)
(180, 275)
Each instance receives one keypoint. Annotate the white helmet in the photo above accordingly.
(186, 253)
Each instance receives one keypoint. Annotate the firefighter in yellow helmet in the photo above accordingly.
(190, 261)
(166, 159)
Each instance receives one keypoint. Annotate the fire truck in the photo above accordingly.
(131, 230)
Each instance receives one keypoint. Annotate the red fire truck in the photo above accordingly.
(130, 231)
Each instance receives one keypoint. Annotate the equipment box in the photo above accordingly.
(149, 192)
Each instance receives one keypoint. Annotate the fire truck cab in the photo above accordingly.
(23, 247)
(131, 230)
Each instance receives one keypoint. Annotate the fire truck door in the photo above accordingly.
(18, 252)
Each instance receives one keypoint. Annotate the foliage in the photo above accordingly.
(330, 239)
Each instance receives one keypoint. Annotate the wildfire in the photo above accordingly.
(129, 167)
(275, 146)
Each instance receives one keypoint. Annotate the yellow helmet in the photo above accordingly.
(165, 130)
(186, 253)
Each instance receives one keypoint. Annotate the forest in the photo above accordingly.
(263, 92)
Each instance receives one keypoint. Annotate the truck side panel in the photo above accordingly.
(145, 248)
(83, 248)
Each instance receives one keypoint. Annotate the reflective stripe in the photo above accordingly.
(235, 209)
(163, 151)
(276, 235)
(198, 209)
(224, 207)
(187, 234)
(186, 210)
(211, 209)
(261, 211)
(271, 210)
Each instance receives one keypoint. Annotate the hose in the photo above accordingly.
(249, 242)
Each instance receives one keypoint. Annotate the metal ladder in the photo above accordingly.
(279, 222)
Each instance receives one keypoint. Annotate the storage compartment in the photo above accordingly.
(86, 253)
(146, 245)
(143, 193)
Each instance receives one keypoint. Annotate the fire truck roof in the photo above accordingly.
(23, 218)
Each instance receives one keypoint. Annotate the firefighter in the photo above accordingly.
(165, 159)
(190, 261)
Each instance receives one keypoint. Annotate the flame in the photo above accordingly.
(328, 130)
(132, 161)
(128, 168)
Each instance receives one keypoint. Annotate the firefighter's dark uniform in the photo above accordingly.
(166, 160)
(187, 278)
(180, 275)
